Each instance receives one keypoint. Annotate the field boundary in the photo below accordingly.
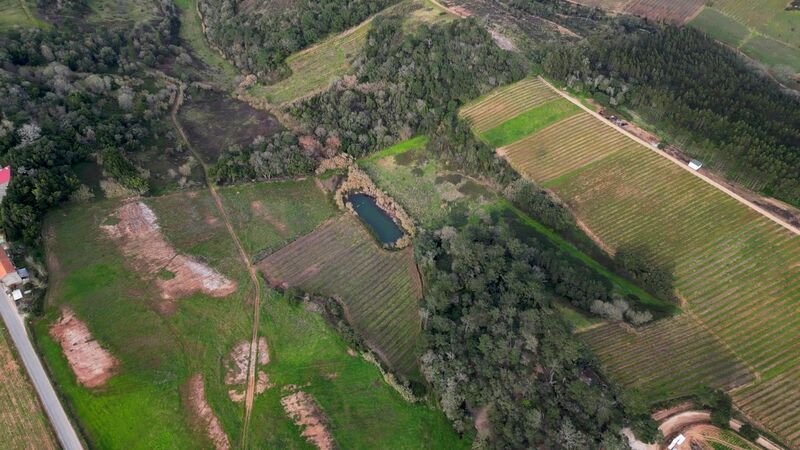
(655, 149)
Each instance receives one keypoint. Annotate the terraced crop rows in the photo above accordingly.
(750, 12)
(379, 288)
(544, 155)
(506, 103)
(671, 10)
(668, 358)
(775, 404)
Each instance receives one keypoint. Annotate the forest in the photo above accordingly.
(490, 324)
(697, 91)
(259, 40)
(68, 97)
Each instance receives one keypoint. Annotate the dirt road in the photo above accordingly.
(253, 360)
(771, 216)
(52, 405)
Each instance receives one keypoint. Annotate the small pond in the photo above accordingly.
(381, 224)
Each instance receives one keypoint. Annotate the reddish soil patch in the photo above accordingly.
(258, 210)
(482, 423)
(92, 364)
(662, 414)
(237, 364)
(263, 382)
(303, 409)
(141, 239)
(263, 351)
(202, 413)
(681, 421)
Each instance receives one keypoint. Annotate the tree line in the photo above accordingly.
(496, 345)
(259, 40)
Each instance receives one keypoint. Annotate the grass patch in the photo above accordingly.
(397, 149)
(720, 27)
(268, 216)
(191, 32)
(773, 53)
(577, 319)
(529, 122)
(19, 13)
(363, 411)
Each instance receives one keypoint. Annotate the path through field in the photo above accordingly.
(251, 372)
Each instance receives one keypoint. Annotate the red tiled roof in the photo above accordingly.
(5, 175)
(6, 266)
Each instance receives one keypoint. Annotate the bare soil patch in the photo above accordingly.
(236, 369)
(305, 412)
(482, 423)
(203, 415)
(92, 364)
(140, 238)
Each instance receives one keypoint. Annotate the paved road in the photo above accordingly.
(52, 405)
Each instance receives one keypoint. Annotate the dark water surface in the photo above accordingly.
(377, 219)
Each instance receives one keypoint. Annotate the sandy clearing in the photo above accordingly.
(92, 364)
(141, 239)
(263, 383)
(482, 423)
(237, 366)
(203, 414)
(305, 412)
(683, 420)
(263, 351)
(662, 414)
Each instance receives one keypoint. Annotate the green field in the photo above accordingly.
(18, 13)
(268, 216)
(427, 191)
(363, 411)
(157, 352)
(505, 103)
(314, 68)
(191, 32)
(721, 27)
(378, 288)
(529, 122)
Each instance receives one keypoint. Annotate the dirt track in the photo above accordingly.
(251, 375)
(771, 216)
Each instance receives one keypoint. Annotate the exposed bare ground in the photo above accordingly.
(141, 239)
(203, 414)
(303, 409)
(662, 414)
(237, 365)
(92, 364)
(482, 423)
(599, 242)
(680, 421)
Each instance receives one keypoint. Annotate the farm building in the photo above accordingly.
(8, 273)
(695, 164)
(5, 178)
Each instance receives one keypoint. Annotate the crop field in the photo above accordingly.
(419, 183)
(774, 404)
(24, 422)
(18, 12)
(666, 359)
(379, 289)
(737, 271)
(314, 68)
(268, 216)
(505, 103)
(362, 410)
(669, 10)
(529, 122)
(563, 147)
(763, 30)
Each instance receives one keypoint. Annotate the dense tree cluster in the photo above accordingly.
(279, 155)
(259, 41)
(695, 88)
(408, 82)
(68, 96)
(495, 341)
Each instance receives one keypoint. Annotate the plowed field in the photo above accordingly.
(379, 289)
